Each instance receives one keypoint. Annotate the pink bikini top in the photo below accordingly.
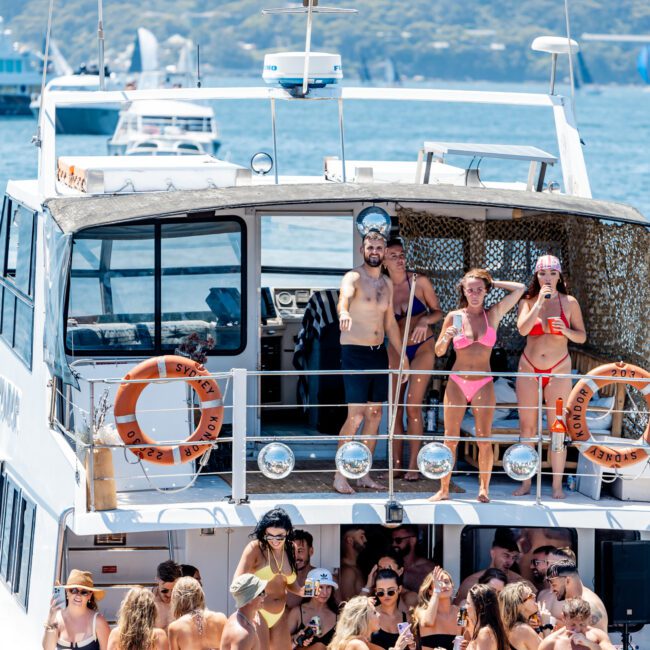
(488, 339)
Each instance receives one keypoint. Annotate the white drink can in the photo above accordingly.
(457, 642)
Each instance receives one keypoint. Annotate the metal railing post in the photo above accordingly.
(540, 404)
(239, 412)
(90, 474)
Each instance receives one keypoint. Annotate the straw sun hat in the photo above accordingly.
(83, 580)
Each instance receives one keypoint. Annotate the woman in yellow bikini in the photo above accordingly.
(270, 557)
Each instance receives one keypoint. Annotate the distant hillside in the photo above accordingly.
(475, 39)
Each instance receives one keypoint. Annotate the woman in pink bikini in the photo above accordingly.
(473, 336)
(549, 319)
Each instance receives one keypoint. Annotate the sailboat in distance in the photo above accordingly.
(586, 79)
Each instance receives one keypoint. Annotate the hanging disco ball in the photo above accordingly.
(353, 460)
(435, 460)
(374, 219)
(276, 460)
(520, 462)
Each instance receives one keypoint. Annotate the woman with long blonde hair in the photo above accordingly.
(357, 621)
(193, 625)
(517, 604)
(135, 626)
(435, 617)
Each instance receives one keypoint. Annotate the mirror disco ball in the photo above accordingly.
(520, 462)
(276, 460)
(353, 459)
(435, 460)
(374, 219)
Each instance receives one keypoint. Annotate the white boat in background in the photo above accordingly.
(165, 126)
(80, 119)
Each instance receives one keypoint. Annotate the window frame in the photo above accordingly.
(157, 349)
(17, 536)
(9, 288)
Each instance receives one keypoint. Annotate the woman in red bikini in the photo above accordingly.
(473, 341)
(549, 319)
(419, 349)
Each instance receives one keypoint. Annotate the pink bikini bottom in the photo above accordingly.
(470, 387)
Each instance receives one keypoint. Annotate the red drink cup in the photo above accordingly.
(551, 329)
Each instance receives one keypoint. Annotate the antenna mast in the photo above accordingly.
(100, 43)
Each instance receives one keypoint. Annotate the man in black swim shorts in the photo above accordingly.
(366, 316)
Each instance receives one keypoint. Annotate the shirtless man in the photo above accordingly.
(577, 634)
(194, 627)
(416, 568)
(366, 316)
(303, 549)
(241, 631)
(352, 581)
(503, 555)
(565, 583)
(167, 574)
(546, 597)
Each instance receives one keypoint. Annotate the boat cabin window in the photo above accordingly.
(17, 257)
(17, 519)
(157, 287)
(516, 546)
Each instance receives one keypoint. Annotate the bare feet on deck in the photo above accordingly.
(483, 496)
(341, 484)
(522, 490)
(440, 495)
(367, 482)
(558, 493)
(412, 475)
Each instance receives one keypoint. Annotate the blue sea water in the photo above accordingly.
(613, 123)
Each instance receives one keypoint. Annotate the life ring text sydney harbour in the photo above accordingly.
(599, 453)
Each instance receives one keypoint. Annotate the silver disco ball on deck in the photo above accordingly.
(353, 459)
(435, 460)
(276, 460)
(374, 219)
(520, 462)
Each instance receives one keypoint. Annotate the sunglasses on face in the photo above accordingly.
(399, 540)
(82, 592)
(538, 562)
(275, 538)
(380, 593)
(164, 591)
(529, 597)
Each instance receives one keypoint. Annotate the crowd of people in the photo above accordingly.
(404, 601)
(380, 298)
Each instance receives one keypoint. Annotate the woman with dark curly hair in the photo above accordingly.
(485, 625)
(270, 556)
(549, 318)
(473, 331)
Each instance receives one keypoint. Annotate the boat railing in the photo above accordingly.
(242, 407)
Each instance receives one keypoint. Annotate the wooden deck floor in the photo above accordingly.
(315, 477)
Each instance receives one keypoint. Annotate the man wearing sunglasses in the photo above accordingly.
(167, 574)
(416, 568)
(503, 554)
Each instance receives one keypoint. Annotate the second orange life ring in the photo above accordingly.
(583, 391)
(209, 425)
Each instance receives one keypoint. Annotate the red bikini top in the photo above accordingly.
(538, 327)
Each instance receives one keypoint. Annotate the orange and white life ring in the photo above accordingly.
(209, 425)
(583, 391)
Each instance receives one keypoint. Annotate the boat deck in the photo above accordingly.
(309, 498)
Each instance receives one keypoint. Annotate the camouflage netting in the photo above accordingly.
(606, 267)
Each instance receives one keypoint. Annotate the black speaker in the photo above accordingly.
(626, 575)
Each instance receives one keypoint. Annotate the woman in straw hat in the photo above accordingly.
(79, 624)
(549, 318)
(135, 626)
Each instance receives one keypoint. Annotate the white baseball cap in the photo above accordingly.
(323, 576)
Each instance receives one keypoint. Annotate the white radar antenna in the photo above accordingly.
(309, 7)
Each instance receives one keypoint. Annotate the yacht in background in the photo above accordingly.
(20, 75)
(165, 127)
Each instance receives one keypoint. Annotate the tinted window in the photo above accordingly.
(201, 283)
(19, 246)
(117, 273)
(24, 549)
(8, 531)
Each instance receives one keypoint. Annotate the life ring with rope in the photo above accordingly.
(583, 391)
(211, 408)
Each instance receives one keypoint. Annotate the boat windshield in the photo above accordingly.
(149, 288)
